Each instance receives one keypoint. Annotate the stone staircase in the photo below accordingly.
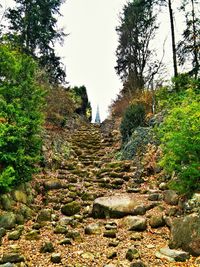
(91, 211)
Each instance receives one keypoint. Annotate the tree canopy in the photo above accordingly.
(33, 28)
(137, 28)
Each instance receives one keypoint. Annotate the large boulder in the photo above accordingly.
(117, 206)
(185, 234)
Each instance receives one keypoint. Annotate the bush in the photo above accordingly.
(21, 103)
(133, 117)
(180, 137)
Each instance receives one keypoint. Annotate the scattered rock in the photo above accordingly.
(154, 197)
(20, 196)
(170, 197)
(65, 221)
(93, 229)
(112, 255)
(71, 208)
(137, 264)
(113, 244)
(47, 247)
(132, 254)
(65, 241)
(75, 235)
(33, 235)
(6, 202)
(15, 235)
(12, 258)
(56, 258)
(110, 226)
(87, 256)
(60, 229)
(136, 236)
(110, 233)
(54, 184)
(136, 223)
(157, 220)
(44, 215)
(25, 211)
(172, 255)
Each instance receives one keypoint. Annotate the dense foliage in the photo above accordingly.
(21, 101)
(33, 28)
(180, 136)
(133, 117)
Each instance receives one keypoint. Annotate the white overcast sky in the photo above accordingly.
(88, 51)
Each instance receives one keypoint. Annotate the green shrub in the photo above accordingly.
(180, 138)
(21, 104)
(133, 117)
(80, 97)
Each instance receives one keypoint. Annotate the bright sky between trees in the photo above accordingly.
(89, 50)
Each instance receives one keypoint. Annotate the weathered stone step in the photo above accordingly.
(118, 206)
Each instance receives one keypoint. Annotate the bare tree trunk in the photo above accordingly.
(173, 38)
(195, 51)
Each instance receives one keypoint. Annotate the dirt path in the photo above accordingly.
(64, 213)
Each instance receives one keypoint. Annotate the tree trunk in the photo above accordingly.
(195, 51)
(173, 38)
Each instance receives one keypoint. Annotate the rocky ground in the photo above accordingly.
(92, 210)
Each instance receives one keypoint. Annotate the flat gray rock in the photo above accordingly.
(172, 254)
(117, 206)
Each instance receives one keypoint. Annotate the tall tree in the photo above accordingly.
(136, 30)
(173, 38)
(168, 3)
(33, 27)
(189, 46)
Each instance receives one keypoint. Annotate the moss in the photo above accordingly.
(71, 208)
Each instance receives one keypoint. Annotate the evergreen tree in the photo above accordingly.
(189, 46)
(33, 28)
(137, 29)
(21, 117)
